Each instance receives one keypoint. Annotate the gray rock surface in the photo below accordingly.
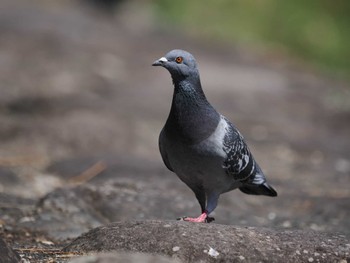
(7, 254)
(214, 243)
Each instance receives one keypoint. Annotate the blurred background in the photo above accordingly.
(81, 109)
(316, 32)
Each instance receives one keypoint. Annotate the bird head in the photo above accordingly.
(179, 63)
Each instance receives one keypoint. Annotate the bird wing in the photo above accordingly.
(163, 152)
(239, 162)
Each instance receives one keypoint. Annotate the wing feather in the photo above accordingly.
(239, 162)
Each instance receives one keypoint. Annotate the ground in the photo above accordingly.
(81, 109)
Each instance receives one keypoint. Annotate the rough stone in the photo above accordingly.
(7, 254)
(211, 242)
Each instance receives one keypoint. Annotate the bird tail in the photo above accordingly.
(261, 189)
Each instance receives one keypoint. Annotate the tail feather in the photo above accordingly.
(261, 189)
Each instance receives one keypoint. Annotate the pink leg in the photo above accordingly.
(201, 219)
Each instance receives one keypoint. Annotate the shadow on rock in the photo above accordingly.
(122, 257)
(7, 254)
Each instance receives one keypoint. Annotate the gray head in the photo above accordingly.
(179, 63)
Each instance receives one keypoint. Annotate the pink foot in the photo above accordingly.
(203, 218)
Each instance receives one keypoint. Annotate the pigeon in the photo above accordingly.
(203, 148)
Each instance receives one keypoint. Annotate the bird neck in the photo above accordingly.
(191, 118)
(190, 87)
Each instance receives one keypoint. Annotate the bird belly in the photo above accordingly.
(201, 165)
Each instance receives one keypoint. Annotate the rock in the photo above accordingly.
(65, 213)
(123, 257)
(210, 242)
(7, 254)
(13, 208)
(119, 193)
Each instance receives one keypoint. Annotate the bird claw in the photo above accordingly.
(209, 219)
(206, 220)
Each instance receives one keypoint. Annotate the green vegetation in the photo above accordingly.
(316, 30)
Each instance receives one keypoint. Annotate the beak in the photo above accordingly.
(160, 62)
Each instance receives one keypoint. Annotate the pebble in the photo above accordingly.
(213, 253)
(311, 260)
(271, 216)
(175, 249)
(287, 224)
(46, 242)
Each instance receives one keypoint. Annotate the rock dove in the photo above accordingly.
(200, 145)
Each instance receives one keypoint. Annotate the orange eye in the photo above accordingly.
(179, 60)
